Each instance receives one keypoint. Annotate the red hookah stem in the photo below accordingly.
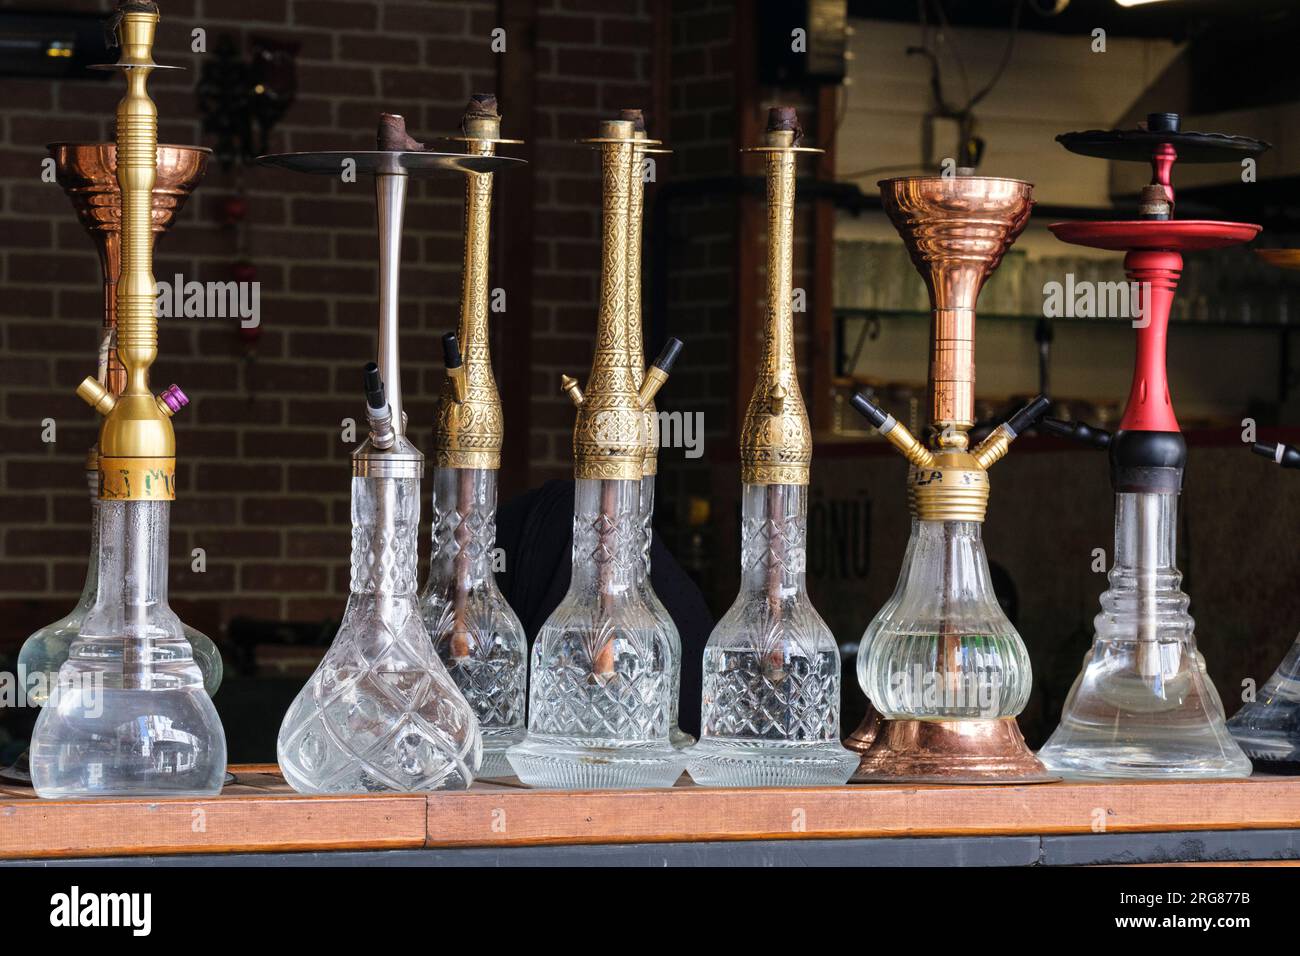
(1149, 407)
(1162, 167)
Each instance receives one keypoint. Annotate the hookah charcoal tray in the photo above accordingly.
(1255, 818)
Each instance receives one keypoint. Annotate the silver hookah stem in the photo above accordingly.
(1148, 557)
(390, 203)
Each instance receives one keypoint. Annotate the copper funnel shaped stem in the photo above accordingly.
(956, 229)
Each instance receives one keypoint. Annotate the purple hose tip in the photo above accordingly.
(174, 398)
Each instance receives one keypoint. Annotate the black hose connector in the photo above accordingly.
(1147, 461)
(451, 357)
(1077, 431)
(1288, 456)
(1028, 416)
(376, 397)
(668, 355)
(869, 410)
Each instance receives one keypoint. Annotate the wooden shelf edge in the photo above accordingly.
(260, 814)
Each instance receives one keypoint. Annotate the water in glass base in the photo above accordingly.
(1143, 706)
(600, 693)
(475, 632)
(129, 715)
(770, 710)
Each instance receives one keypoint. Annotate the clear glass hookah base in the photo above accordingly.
(475, 632)
(770, 718)
(129, 715)
(1268, 728)
(44, 652)
(680, 738)
(380, 713)
(1143, 705)
(600, 695)
(770, 708)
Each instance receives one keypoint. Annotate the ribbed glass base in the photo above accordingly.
(1119, 723)
(581, 763)
(731, 762)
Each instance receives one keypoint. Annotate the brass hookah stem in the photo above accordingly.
(473, 333)
(635, 327)
(137, 157)
(780, 340)
(613, 321)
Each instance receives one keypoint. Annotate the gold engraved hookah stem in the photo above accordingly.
(481, 126)
(776, 442)
(780, 285)
(635, 333)
(604, 425)
(616, 177)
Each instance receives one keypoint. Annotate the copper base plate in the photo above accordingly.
(951, 751)
(860, 740)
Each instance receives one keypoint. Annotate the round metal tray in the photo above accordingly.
(1173, 234)
(1137, 145)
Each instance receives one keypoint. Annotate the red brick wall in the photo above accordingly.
(263, 484)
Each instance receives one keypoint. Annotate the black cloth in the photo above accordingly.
(535, 530)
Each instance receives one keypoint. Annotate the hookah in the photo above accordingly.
(1143, 704)
(87, 172)
(475, 632)
(129, 714)
(650, 466)
(770, 708)
(381, 713)
(940, 662)
(1268, 727)
(600, 694)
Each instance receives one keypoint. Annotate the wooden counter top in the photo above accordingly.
(260, 813)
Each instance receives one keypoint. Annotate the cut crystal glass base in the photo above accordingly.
(580, 763)
(722, 762)
(380, 713)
